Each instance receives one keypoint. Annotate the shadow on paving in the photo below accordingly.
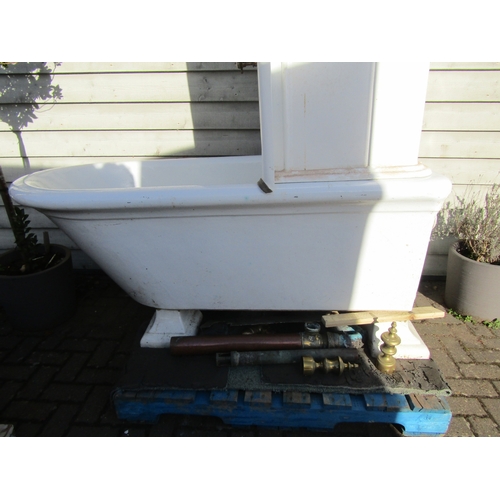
(59, 382)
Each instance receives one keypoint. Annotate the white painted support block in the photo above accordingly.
(412, 346)
(168, 323)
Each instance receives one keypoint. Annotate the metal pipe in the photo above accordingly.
(212, 344)
(236, 358)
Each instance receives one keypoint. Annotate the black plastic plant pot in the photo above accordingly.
(41, 300)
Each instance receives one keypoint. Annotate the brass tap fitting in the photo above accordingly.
(386, 361)
(337, 365)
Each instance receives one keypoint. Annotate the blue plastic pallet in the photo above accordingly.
(417, 414)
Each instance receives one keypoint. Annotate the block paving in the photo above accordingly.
(59, 382)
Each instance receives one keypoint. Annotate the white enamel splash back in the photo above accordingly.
(340, 121)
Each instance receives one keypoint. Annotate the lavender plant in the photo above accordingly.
(476, 224)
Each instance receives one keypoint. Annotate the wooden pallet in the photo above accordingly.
(418, 415)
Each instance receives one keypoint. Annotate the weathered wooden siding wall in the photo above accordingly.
(110, 111)
(461, 134)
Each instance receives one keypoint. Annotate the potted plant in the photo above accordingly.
(473, 270)
(36, 280)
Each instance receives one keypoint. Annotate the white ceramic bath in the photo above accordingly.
(184, 235)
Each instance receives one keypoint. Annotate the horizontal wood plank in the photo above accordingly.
(478, 191)
(459, 145)
(121, 67)
(132, 67)
(369, 317)
(56, 236)
(37, 219)
(460, 171)
(435, 265)
(462, 116)
(466, 170)
(470, 171)
(458, 86)
(142, 87)
(142, 116)
(79, 258)
(440, 246)
(470, 190)
(464, 65)
(132, 143)
(82, 261)
(13, 168)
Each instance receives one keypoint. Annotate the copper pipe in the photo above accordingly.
(257, 342)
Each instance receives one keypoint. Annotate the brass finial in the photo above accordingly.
(390, 339)
(327, 365)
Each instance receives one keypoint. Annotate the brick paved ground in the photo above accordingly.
(58, 383)
(468, 355)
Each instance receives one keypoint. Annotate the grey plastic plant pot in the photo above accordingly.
(472, 288)
(42, 300)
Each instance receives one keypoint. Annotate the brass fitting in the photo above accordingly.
(309, 365)
(386, 361)
(312, 340)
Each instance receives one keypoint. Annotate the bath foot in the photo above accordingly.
(412, 346)
(167, 323)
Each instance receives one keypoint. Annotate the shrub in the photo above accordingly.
(476, 224)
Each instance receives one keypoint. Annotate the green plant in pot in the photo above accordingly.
(36, 280)
(473, 270)
(37, 289)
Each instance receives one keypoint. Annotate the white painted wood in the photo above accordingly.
(459, 145)
(133, 143)
(477, 116)
(137, 67)
(466, 190)
(16, 164)
(460, 171)
(271, 119)
(460, 137)
(13, 167)
(435, 265)
(79, 258)
(36, 219)
(440, 246)
(56, 236)
(450, 86)
(466, 170)
(342, 120)
(398, 108)
(315, 116)
(326, 115)
(145, 116)
(82, 261)
(154, 87)
(436, 260)
(465, 65)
